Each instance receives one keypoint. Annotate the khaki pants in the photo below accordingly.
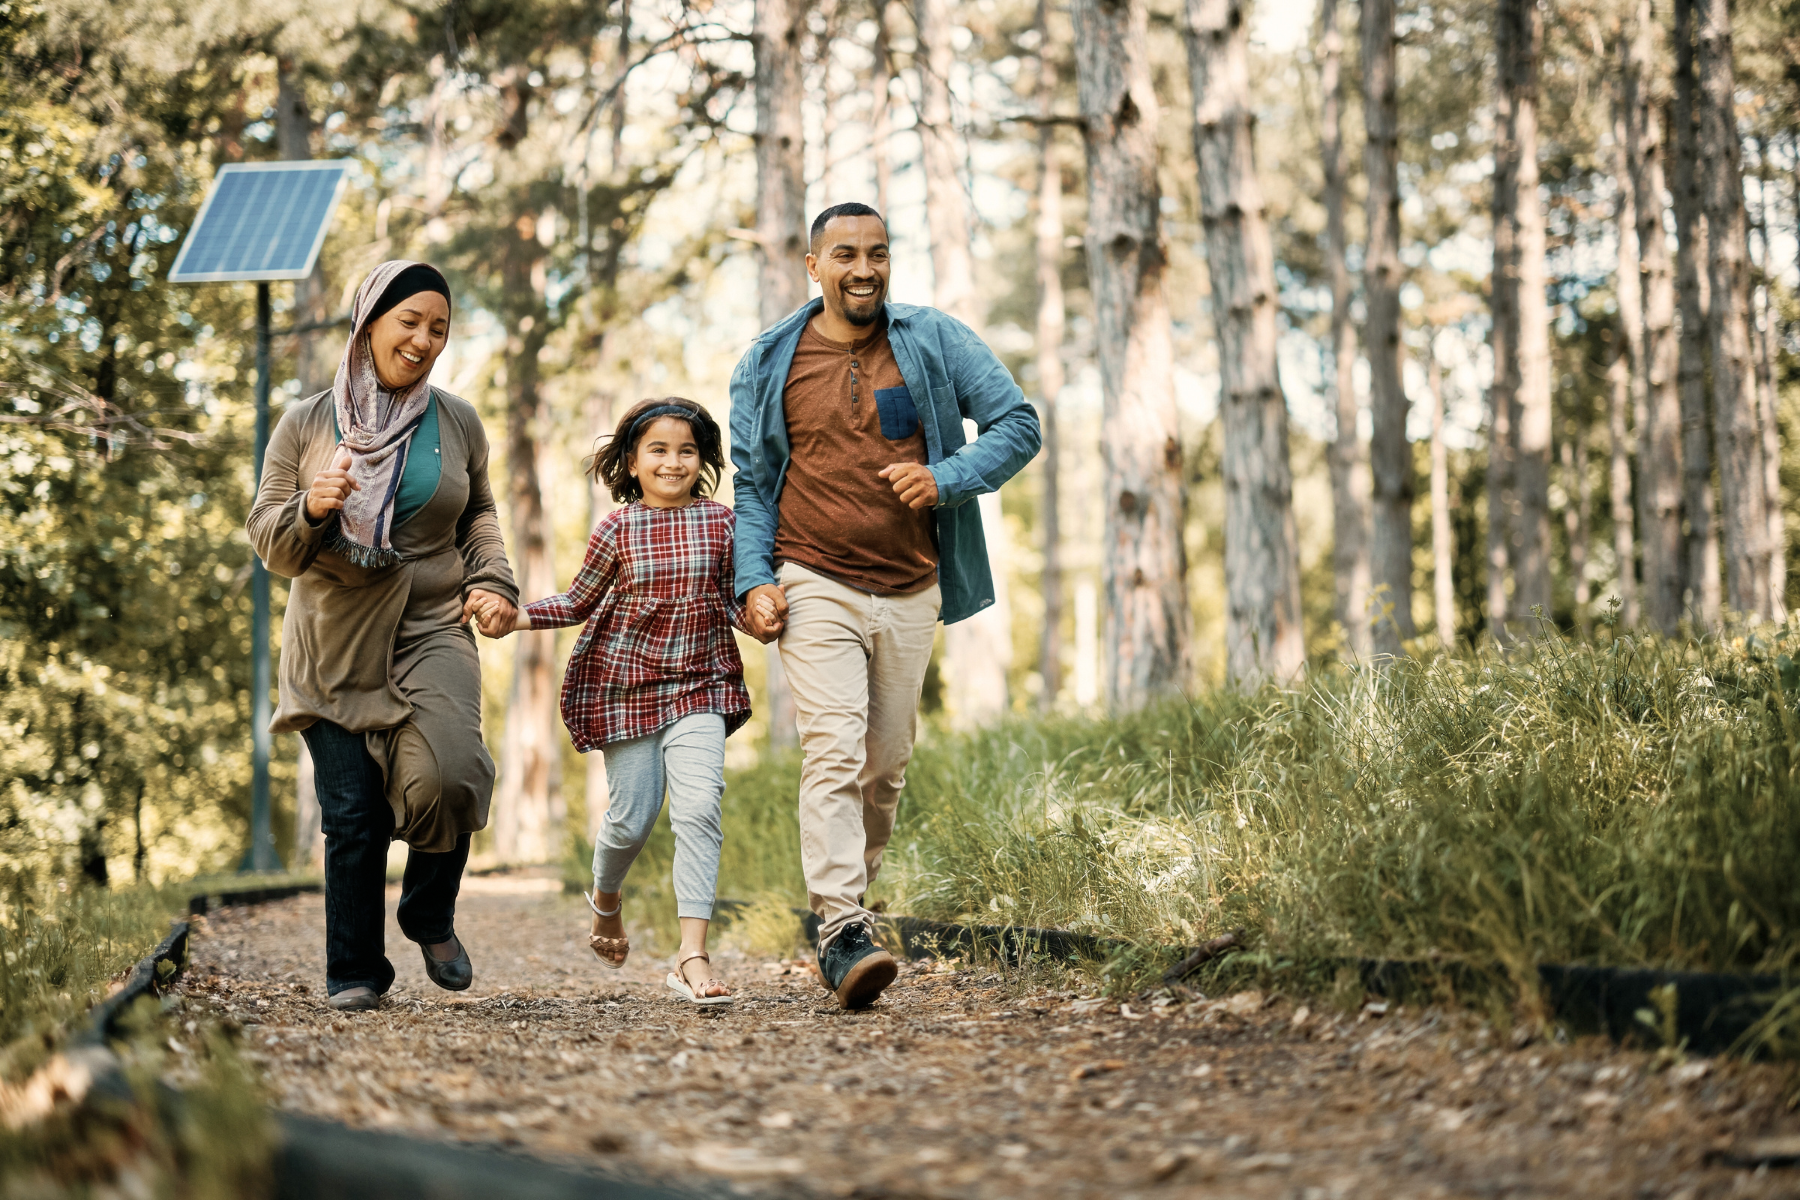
(855, 664)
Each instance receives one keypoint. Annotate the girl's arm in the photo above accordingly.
(597, 574)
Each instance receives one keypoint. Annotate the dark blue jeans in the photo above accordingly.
(358, 825)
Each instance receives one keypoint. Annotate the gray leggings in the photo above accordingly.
(686, 759)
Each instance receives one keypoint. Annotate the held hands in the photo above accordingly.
(913, 483)
(765, 610)
(494, 615)
(330, 488)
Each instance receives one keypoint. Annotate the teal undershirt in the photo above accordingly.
(419, 480)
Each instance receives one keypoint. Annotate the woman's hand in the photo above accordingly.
(494, 615)
(330, 488)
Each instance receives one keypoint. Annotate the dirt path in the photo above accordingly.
(958, 1084)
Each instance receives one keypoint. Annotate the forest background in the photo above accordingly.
(617, 192)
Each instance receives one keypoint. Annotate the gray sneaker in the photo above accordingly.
(356, 999)
(855, 968)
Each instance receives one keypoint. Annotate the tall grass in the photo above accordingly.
(1628, 802)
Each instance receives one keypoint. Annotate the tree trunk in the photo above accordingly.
(1518, 27)
(293, 141)
(1578, 518)
(946, 206)
(1502, 336)
(309, 831)
(1390, 455)
(1503, 340)
(1443, 544)
(525, 828)
(780, 230)
(621, 64)
(1087, 644)
(1348, 459)
(880, 120)
(1768, 402)
(831, 106)
(1659, 436)
(977, 651)
(1051, 318)
(1623, 375)
(1144, 565)
(1737, 431)
(780, 158)
(1618, 439)
(1700, 554)
(1263, 633)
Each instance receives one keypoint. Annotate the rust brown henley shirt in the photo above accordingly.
(848, 416)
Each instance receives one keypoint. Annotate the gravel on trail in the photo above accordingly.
(963, 1081)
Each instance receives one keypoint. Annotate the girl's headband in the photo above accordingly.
(650, 414)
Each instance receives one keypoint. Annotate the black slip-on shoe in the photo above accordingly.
(454, 975)
(855, 968)
(356, 999)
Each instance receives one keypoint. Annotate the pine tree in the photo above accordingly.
(1051, 319)
(780, 231)
(1700, 553)
(1737, 431)
(1263, 635)
(1349, 456)
(1390, 454)
(1144, 567)
(1518, 34)
(1659, 435)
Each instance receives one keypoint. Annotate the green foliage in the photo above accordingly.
(124, 465)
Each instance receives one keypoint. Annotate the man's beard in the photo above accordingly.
(864, 318)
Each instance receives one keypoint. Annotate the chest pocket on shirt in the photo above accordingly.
(899, 419)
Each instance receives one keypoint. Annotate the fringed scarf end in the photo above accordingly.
(359, 555)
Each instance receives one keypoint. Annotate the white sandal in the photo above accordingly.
(679, 984)
(602, 946)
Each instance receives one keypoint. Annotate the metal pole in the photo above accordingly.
(262, 836)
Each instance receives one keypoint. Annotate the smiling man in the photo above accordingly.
(853, 490)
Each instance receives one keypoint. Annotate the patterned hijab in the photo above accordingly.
(377, 428)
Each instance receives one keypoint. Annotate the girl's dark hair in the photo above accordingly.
(612, 453)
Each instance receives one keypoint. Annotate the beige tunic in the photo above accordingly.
(383, 651)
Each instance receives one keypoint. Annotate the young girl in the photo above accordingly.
(655, 680)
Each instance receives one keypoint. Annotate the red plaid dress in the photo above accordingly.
(656, 593)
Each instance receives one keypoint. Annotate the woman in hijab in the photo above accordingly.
(375, 501)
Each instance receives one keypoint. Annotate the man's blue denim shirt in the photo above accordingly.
(951, 375)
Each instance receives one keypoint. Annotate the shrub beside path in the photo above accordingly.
(963, 1082)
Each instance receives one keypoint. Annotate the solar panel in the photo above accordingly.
(261, 221)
